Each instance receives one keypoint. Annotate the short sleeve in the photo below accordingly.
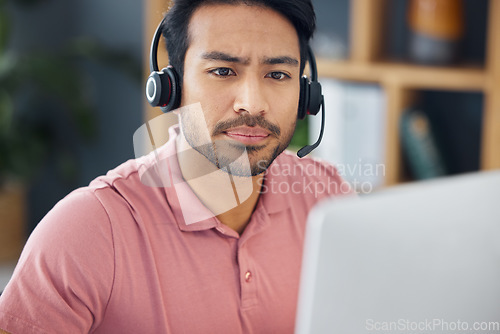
(64, 277)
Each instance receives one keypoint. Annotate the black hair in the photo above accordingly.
(175, 30)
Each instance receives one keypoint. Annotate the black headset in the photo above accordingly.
(163, 89)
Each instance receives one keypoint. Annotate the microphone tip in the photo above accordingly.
(305, 151)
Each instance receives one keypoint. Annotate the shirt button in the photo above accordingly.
(248, 276)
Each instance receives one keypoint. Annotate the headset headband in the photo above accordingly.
(153, 54)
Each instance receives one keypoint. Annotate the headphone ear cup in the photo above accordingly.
(303, 98)
(163, 89)
(154, 87)
(174, 94)
(315, 98)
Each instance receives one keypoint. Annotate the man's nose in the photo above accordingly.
(250, 96)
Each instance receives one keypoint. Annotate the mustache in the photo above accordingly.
(248, 120)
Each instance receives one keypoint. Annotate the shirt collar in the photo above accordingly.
(190, 213)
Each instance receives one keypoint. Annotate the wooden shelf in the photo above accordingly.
(401, 81)
(406, 75)
(491, 120)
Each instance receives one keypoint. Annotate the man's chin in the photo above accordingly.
(260, 164)
(253, 164)
(238, 159)
(244, 167)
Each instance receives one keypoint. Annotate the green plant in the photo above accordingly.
(44, 91)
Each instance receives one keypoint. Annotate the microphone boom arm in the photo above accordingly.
(308, 148)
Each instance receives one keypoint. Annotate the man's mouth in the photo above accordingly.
(247, 135)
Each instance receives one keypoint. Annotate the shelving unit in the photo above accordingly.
(401, 81)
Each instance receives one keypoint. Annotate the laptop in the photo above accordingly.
(417, 258)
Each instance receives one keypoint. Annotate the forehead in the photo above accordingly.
(242, 30)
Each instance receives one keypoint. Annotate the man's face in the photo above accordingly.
(242, 66)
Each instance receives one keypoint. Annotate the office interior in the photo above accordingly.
(358, 42)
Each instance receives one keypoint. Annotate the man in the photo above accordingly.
(127, 256)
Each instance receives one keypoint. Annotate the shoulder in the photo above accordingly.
(123, 190)
(65, 273)
(90, 208)
(77, 219)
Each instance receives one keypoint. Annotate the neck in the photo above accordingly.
(231, 198)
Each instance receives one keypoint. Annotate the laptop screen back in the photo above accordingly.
(420, 258)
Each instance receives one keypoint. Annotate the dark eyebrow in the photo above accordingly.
(281, 60)
(216, 55)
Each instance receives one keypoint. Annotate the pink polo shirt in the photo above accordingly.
(118, 257)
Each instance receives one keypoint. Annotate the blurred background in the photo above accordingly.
(406, 87)
(71, 94)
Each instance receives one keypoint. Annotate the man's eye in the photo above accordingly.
(222, 72)
(278, 75)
